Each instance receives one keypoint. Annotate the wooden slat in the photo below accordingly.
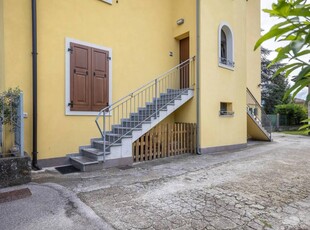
(190, 139)
(134, 151)
(188, 135)
(164, 138)
(178, 138)
(142, 148)
(137, 151)
(147, 150)
(151, 144)
(155, 148)
(183, 138)
(173, 140)
(194, 138)
(168, 141)
(160, 153)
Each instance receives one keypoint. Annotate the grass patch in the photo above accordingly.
(297, 132)
(266, 224)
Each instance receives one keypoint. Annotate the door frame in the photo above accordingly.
(180, 61)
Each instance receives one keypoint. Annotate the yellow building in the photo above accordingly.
(91, 53)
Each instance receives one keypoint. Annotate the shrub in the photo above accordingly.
(295, 114)
(9, 101)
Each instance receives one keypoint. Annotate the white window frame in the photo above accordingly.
(230, 45)
(67, 77)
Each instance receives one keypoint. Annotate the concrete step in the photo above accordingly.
(169, 97)
(86, 164)
(138, 117)
(176, 91)
(149, 110)
(124, 130)
(93, 153)
(113, 137)
(130, 123)
(159, 103)
(98, 144)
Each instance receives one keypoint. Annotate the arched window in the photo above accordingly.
(226, 55)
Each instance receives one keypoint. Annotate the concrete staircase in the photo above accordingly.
(259, 126)
(118, 141)
(255, 128)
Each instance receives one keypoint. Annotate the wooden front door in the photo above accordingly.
(184, 69)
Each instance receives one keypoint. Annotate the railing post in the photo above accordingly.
(104, 135)
(155, 98)
(278, 122)
(21, 116)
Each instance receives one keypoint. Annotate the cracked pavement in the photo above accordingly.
(265, 186)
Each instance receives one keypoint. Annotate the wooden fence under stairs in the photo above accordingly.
(165, 141)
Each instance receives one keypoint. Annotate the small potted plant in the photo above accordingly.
(9, 101)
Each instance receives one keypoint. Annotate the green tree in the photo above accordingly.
(273, 89)
(294, 31)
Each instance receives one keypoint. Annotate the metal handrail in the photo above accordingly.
(150, 82)
(259, 115)
(147, 99)
(253, 98)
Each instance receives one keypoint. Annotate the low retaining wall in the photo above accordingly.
(288, 128)
(15, 171)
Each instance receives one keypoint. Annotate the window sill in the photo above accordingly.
(226, 114)
(232, 68)
(84, 113)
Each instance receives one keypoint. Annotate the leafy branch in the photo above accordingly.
(294, 30)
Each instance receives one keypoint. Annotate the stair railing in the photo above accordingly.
(137, 104)
(258, 113)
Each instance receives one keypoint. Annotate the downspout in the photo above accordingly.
(35, 165)
(198, 75)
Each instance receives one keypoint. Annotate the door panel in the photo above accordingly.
(80, 89)
(100, 79)
(80, 81)
(184, 69)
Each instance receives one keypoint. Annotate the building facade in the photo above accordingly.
(116, 46)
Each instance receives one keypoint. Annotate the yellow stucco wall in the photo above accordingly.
(141, 34)
(253, 58)
(1, 48)
(220, 84)
(186, 9)
(140, 37)
(17, 53)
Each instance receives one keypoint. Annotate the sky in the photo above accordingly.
(266, 23)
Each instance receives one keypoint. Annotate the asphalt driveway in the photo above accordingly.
(265, 186)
